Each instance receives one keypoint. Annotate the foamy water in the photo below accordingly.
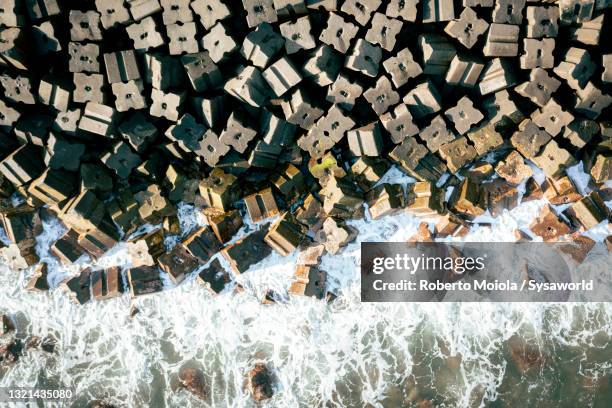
(345, 354)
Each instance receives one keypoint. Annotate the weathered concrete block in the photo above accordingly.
(140, 9)
(538, 53)
(112, 13)
(215, 278)
(502, 41)
(436, 134)
(542, 21)
(539, 88)
(176, 11)
(182, 38)
(529, 139)
(259, 11)
(457, 153)
(437, 53)
(167, 105)
(323, 66)
(300, 110)
(144, 34)
(281, 76)
(249, 86)
(262, 45)
(297, 35)
(552, 118)
(360, 10)
(85, 25)
(338, 33)
(423, 100)
(247, 251)
(553, 160)
(496, 76)
(467, 28)
(404, 9)
(402, 67)
(55, 92)
(508, 11)
(18, 89)
(384, 31)
(365, 141)
(464, 115)
(437, 10)
(364, 58)
(382, 96)
(219, 43)
(210, 11)
(121, 159)
(399, 123)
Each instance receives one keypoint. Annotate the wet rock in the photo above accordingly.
(451, 225)
(192, 379)
(336, 235)
(501, 196)
(533, 191)
(548, 225)
(224, 224)
(6, 325)
(46, 344)
(560, 191)
(144, 280)
(11, 257)
(146, 254)
(311, 256)
(247, 251)
(106, 284)
(588, 211)
(214, 277)
(469, 199)
(479, 172)
(271, 297)
(578, 248)
(10, 352)
(423, 234)
(139, 253)
(285, 234)
(513, 169)
(38, 279)
(425, 199)
(261, 382)
(178, 263)
(78, 287)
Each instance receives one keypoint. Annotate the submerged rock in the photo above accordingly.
(100, 404)
(192, 379)
(261, 380)
(10, 352)
(425, 403)
(525, 355)
(46, 344)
